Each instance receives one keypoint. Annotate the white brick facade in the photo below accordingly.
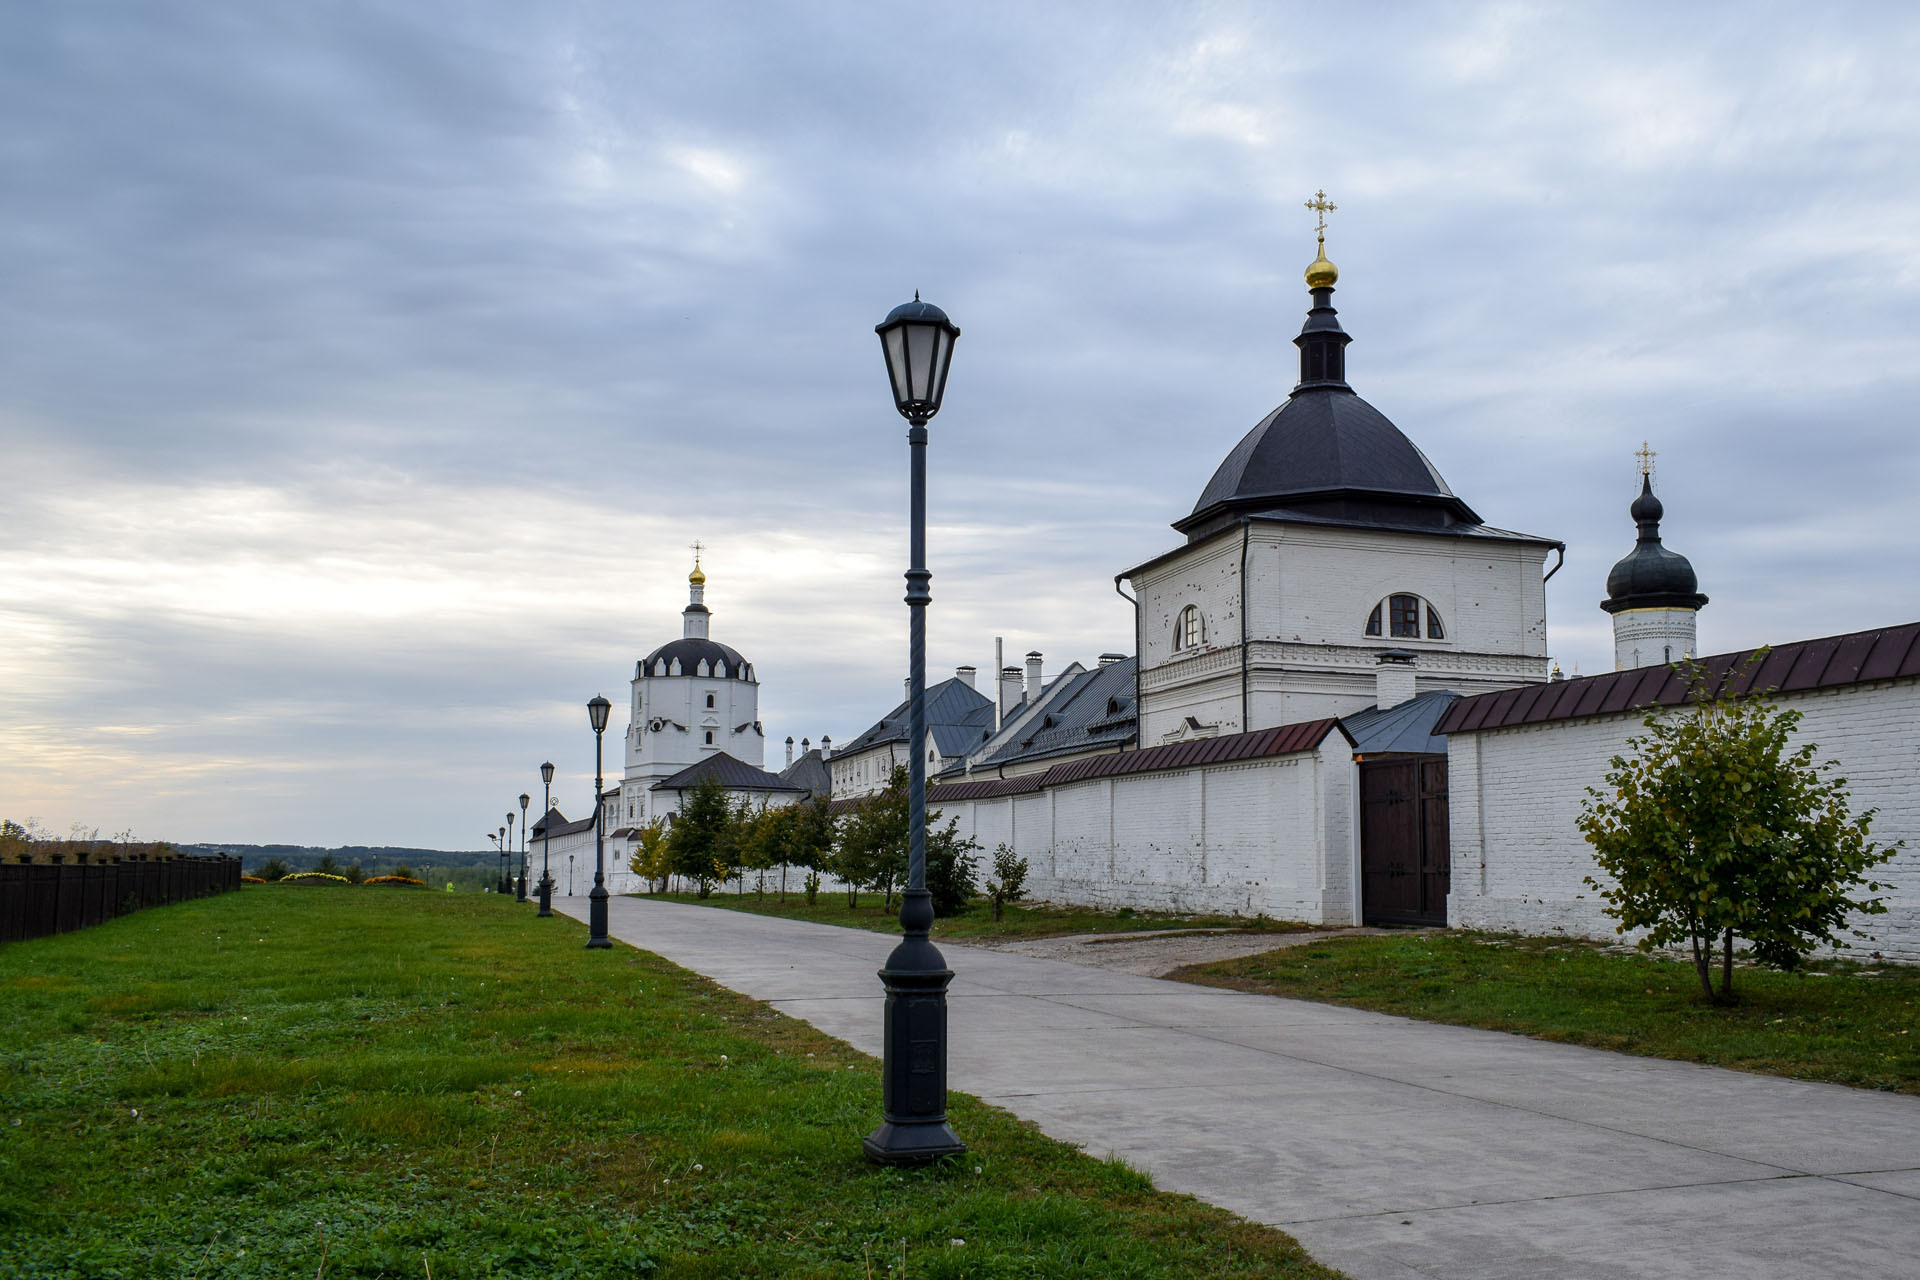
(1273, 836)
(1309, 592)
(1519, 860)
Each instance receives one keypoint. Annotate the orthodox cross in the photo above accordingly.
(1322, 206)
(696, 548)
(1646, 456)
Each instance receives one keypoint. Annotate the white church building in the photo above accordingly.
(1345, 711)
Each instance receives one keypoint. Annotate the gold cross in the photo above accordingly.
(1322, 206)
(1646, 456)
(696, 548)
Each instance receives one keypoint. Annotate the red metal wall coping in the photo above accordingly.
(1826, 662)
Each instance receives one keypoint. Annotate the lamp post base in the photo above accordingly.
(914, 1129)
(520, 889)
(546, 899)
(597, 919)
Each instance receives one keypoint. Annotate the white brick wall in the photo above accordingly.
(1519, 860)
(1271, 837)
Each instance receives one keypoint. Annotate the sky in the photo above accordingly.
(367, 369)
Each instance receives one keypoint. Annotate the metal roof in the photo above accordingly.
(1407, 727)
(1093, 709)
(723, 661)
(956, 713)
(732, 774)
(1258, 745)
(555, 824)
(1858, 657)
(809, 773)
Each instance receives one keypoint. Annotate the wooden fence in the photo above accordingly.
(40, 898)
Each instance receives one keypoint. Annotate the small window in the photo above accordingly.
(1404, 611)
(709, 700)
(709, 737)
(1434, 630)
(1373, 621)
(1189, 629)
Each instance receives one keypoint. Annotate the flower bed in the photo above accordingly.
(314, 877)
(253, 880)
(401, 881)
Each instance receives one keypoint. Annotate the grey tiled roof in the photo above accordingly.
(1092, 710)
(956, 715)
(1407, 727)
(732, 774)
(810, 774)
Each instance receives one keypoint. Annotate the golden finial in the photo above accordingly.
(697, 578)
(1646, 455)
(1320, 273)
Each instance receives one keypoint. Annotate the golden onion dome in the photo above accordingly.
(697, 578)
(1320, 273)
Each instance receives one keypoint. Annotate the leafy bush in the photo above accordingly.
(1716, 827)
(1010, 878)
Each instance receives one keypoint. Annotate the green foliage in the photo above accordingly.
(1717, 827)
(404, 871)
(355, 875)
(950, 867)
(698, 841)
(812, 887)
(652, 858)
(273, 869)
(327, 865)
(1009, 883)
(871, 846)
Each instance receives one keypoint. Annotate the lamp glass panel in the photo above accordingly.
(942, 355)
(920, 360)
(896, 341)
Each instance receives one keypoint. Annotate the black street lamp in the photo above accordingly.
(597, 899)
(500, 884)
(917, 339)
(546, 878)
(569, 875)
(496, 844)
(508, 886)
(520, 888)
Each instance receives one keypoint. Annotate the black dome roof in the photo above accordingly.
(691, 651)
(1650, 576)
(1326, 453)
(1327, 445)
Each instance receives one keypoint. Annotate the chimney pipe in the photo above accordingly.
(1108, 659)
(965, 675)
(1009, 692)
(1393, 677)
(826, 746)
(1033, 675)
(789, 751)
(999, 665)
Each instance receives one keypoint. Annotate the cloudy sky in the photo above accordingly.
(366, 369)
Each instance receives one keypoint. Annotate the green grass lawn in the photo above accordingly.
(976, 922)
(1835, 1022)
(338, 1082)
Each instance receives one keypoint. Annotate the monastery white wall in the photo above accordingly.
(1272, 837)
(1515, 793)
(1308, 594)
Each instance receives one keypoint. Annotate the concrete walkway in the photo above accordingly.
(1391, 1149)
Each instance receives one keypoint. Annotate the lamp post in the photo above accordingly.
(569, 875)
(597, 899)
(496, 844)
(917, 340)
(520, 886)
(500, 881)
(546, 879)
(508, 886)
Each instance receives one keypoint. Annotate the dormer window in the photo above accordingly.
(1189, 629)
(1403, 615)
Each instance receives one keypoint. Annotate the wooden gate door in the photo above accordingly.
(1404, 863)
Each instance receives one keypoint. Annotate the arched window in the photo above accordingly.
(709, 700)
(709, 737)
(1189, 629)
(1403, 615)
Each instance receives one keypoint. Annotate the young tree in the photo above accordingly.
(697, 842)
(1718, 826)
(273, 869)
(328, 865)
(872, 849)
(810, 838)
(950, 866)
(1010, 878)
(652, 858)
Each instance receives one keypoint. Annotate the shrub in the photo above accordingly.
(1010, 878)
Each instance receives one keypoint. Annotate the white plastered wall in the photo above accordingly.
(1519, 862)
